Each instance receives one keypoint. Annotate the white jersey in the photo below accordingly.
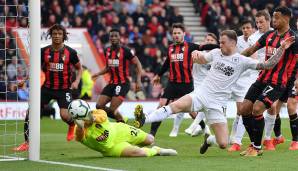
(252, 39)
(224, 72)
(199, 72)
(241, 44)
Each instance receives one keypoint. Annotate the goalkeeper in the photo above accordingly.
(115, 139)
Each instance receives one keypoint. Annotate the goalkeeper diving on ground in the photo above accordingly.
(94, 130)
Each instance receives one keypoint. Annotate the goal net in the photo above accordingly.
(14, 62)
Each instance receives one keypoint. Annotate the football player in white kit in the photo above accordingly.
(226, 67)
(262, 20)
(199, 72)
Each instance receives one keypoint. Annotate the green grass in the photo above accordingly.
(55, 148)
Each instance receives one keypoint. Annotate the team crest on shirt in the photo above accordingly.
(235, 60)
(182, 49)
(63, 57)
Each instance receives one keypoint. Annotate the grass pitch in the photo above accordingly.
(55, 148)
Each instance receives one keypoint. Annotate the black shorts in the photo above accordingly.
(177, 90)
(112, 90)
(290, 92)
(63, 97)
(265, 93)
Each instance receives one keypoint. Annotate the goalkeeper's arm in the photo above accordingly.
(79, 130)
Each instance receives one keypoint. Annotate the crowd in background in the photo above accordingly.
(12, 66)
(144, 27)
(218, 15)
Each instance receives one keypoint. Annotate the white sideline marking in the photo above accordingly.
(77, 165)
(10, 158)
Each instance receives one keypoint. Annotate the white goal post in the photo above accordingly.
(34, 95)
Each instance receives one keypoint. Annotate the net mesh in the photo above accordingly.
(14, 50)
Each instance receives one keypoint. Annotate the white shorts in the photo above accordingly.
(241, 86)
(214, 112)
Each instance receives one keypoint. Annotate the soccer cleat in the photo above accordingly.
(243, 153)
(294, 145)
(165, 152)
(188, 131)
(205, 145)
(22, 147)
(253, 152)
(279, 140)
(139, 116)
(268, 145)
(70, 133)
(174, 132)
(234, 147)
(196, 131)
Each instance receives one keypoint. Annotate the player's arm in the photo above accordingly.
(80, 133)
(251, 50)
(200, 58)
(96, 75)
(208, 47)
(273, 60)
(256, 46)
(135, 60)
(78, 67)
(164, 68)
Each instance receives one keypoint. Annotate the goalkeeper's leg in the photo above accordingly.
(135, 151)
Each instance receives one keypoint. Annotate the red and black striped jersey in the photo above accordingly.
(118, 61)
(282, 72)
(180, 62)
(58, 66)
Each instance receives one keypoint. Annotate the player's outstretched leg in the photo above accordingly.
(139, 116)
(165, 151)
(205, 145)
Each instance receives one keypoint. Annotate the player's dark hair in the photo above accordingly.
(178, 25)
(231, 34)
(115, 30)
(264, 13)
(246, 21)
(284, 11)
(57, 27)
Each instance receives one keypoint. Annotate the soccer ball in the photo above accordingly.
(78, 109)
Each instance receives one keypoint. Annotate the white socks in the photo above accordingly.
(212, 140)
(234, 126)
(159, 114)
(240, 131)
(177, 120)
(269, 125)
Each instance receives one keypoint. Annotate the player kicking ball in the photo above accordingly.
(94, 130)
(226, 67)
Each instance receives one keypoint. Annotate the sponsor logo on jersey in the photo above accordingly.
(225, 69)
(271, 50)
(113, 62)
(177, 57)
(56, 66)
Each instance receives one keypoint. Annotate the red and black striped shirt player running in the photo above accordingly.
(179, 63)
(271, 84)
(118, 60)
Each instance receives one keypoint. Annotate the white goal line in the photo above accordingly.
(77, 165)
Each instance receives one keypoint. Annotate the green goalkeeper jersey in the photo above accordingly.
(101, 134)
